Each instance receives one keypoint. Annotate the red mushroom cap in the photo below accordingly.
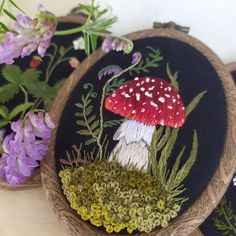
(149, 100)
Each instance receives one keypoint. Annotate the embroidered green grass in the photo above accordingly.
(108, 195)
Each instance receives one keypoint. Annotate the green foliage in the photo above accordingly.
(113, 85)
(151, 61)
(89, 122)
(111, 123)
(225, 219)
(8, 92)
(173, 77)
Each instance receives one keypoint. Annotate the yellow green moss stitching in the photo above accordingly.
(108, 195)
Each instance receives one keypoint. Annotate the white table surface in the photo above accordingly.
(27, 213)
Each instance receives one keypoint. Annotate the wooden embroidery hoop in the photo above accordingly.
(199, 211)
(35, 179)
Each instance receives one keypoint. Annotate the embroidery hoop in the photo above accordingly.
(34, 180)
(195, 215)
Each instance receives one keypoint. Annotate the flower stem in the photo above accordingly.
(102, 104)
(70, 31)
(26, 99)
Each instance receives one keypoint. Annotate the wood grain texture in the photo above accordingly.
(199, 211)
(35, 179)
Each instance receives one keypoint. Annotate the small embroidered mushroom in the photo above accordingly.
(145, 102)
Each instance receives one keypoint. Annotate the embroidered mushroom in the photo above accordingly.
(145, 102)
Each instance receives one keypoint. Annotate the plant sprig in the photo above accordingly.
(151, 61)
(225, 219)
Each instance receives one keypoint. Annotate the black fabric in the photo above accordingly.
(195, 75)
(209, 227)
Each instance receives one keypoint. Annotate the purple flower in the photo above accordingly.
(109, 70)
(29, 35)
(136, 57)
(26, 145)
(115, 44)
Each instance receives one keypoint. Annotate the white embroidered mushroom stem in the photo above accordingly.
(145, 102)
(132, 149)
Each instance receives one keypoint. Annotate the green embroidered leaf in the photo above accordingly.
(79, 105)
(194, 103)
(173, 78)
(79, 114)
(84, 132)
(4, 112)
(114, 84)
(12, 73)
(19, 109)
(62, 50)
(91, 119)
(84, 7)
(7, 92)
(81, 122)
(95, 125)
(111, 123)
(151, 61)
(30, 76)
(90, 141)
(96, 132)
(39, 89)
(88, 110)
(3, 123)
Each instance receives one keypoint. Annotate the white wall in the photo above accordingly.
(211, 21)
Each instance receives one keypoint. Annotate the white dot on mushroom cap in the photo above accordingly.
(158, 93)
(116, 102)
(159, 111)
(147, 79)
(144, 103)
(162, 123)
(174, 100)
(176, 125)
(124, 108)
(113, 95)
(169, 88)
(123, 93)
(153, 104)
(138, 84)
(143, 110)
(178, 102)
(137, 96)
(167, 95)
(165, 89)
(161, 87)
(178, 96)
(161, 99)
(142, 89)
(125, 86)
(114, 108)
(151, 88)
(133, 112)
(183, 108)
(142, 82)
(153, 80)
(170, 107)
(137, 78)
(147, 94)
(161, 83)
(121, 87)
(131, 90)
(109, 100)
(127, 95)
(177, 113)
(170, 117)
(130, 105)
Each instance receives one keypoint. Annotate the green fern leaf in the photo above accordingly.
(83, 132)
(91, 119)
(31, 75)
(95, 125)
(81, 122)
(90, 141)
(7, 92)
(19, 109)
(111, 123)
(88, 110)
